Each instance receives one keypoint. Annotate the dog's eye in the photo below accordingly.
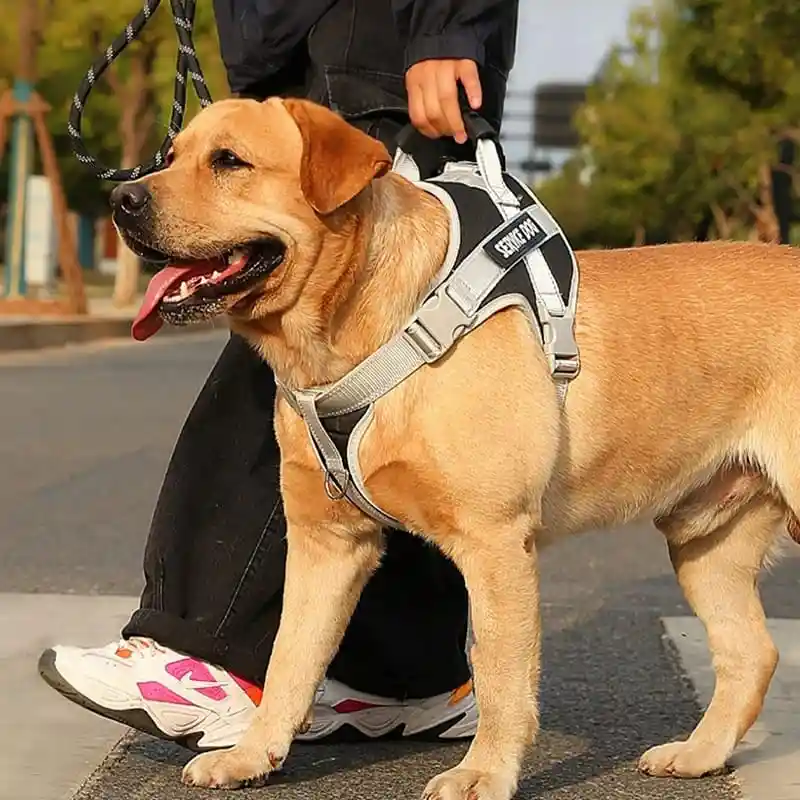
(226, 159)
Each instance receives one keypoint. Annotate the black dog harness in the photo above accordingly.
(505, 251)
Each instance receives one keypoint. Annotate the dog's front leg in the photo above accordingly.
(326, 569)
(500, 570)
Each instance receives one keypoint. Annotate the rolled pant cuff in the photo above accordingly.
(188, 637)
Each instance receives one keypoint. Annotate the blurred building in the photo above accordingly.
(560, 48)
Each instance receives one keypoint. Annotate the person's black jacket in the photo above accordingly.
(352, 54)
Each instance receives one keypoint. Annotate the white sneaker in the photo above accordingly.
(154, 689)
(340, 710)
(173, 696)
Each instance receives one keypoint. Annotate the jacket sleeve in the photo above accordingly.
(258, 37)
(449, 28)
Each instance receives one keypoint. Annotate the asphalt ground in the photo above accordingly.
(85, 434)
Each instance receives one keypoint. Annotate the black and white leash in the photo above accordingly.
(188, 67)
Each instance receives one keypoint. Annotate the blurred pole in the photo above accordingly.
(22, 149)
(782, 189)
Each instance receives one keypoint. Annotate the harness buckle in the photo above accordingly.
(566, 369)
(436, 327)
(561, 347)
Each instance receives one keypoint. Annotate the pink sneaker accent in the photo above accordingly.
(157, 692)
(213, 693)
(350, 706)
(197, 671)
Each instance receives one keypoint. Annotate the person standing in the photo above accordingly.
(193, 657)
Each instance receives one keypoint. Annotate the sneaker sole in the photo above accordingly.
(140, 720)
(349, 734)
(136, 718)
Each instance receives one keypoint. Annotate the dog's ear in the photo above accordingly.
(338, 159)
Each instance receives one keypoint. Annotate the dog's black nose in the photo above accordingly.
(130, 198)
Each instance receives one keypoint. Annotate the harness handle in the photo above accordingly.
(478, 128)
(480, 132)
(486, 140)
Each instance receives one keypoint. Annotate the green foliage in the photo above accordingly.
(571, 198)
(680, 128)
(73, 34)
(682, 124)
(747, 47)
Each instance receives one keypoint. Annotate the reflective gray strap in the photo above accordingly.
(477, 275)
(542, 278)
(337, 476)
(360, 495)
(405, 165)
(387, 367)
(557, 319)
(464, 285)
(288, 396)
(441, 320)
(543, 281)
(492, 172)
(545, 284)
(455, 232)
(339, 482)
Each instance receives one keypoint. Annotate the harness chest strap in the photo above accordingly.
(460, 302)
(341, 479)
(454, 309)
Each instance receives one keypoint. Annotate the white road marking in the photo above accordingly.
(49, 746)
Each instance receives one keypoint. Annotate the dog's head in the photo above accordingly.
(239, 215)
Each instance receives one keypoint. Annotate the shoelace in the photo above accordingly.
(137, 645)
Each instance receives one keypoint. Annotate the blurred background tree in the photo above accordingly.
(681, 130)
(679, 133)
(129, 109)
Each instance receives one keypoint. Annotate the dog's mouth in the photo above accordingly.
(188, 291)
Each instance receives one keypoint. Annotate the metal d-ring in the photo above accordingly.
(333, 489)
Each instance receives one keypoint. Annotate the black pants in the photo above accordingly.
(214, 562)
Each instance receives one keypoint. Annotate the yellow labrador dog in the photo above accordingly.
(288, 220)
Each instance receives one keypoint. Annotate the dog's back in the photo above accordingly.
(689, 355)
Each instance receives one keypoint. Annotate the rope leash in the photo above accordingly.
(187, 67)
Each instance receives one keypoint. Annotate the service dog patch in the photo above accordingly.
(518, 237)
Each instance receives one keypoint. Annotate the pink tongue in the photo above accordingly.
(148, 321)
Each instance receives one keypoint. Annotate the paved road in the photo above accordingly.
(85, 436)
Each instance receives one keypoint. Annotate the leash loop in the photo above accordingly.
(187, 68)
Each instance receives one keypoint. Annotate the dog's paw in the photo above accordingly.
(683, 760)
(469, 784)
(227, 769)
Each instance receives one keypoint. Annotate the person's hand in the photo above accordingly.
(432, 88)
